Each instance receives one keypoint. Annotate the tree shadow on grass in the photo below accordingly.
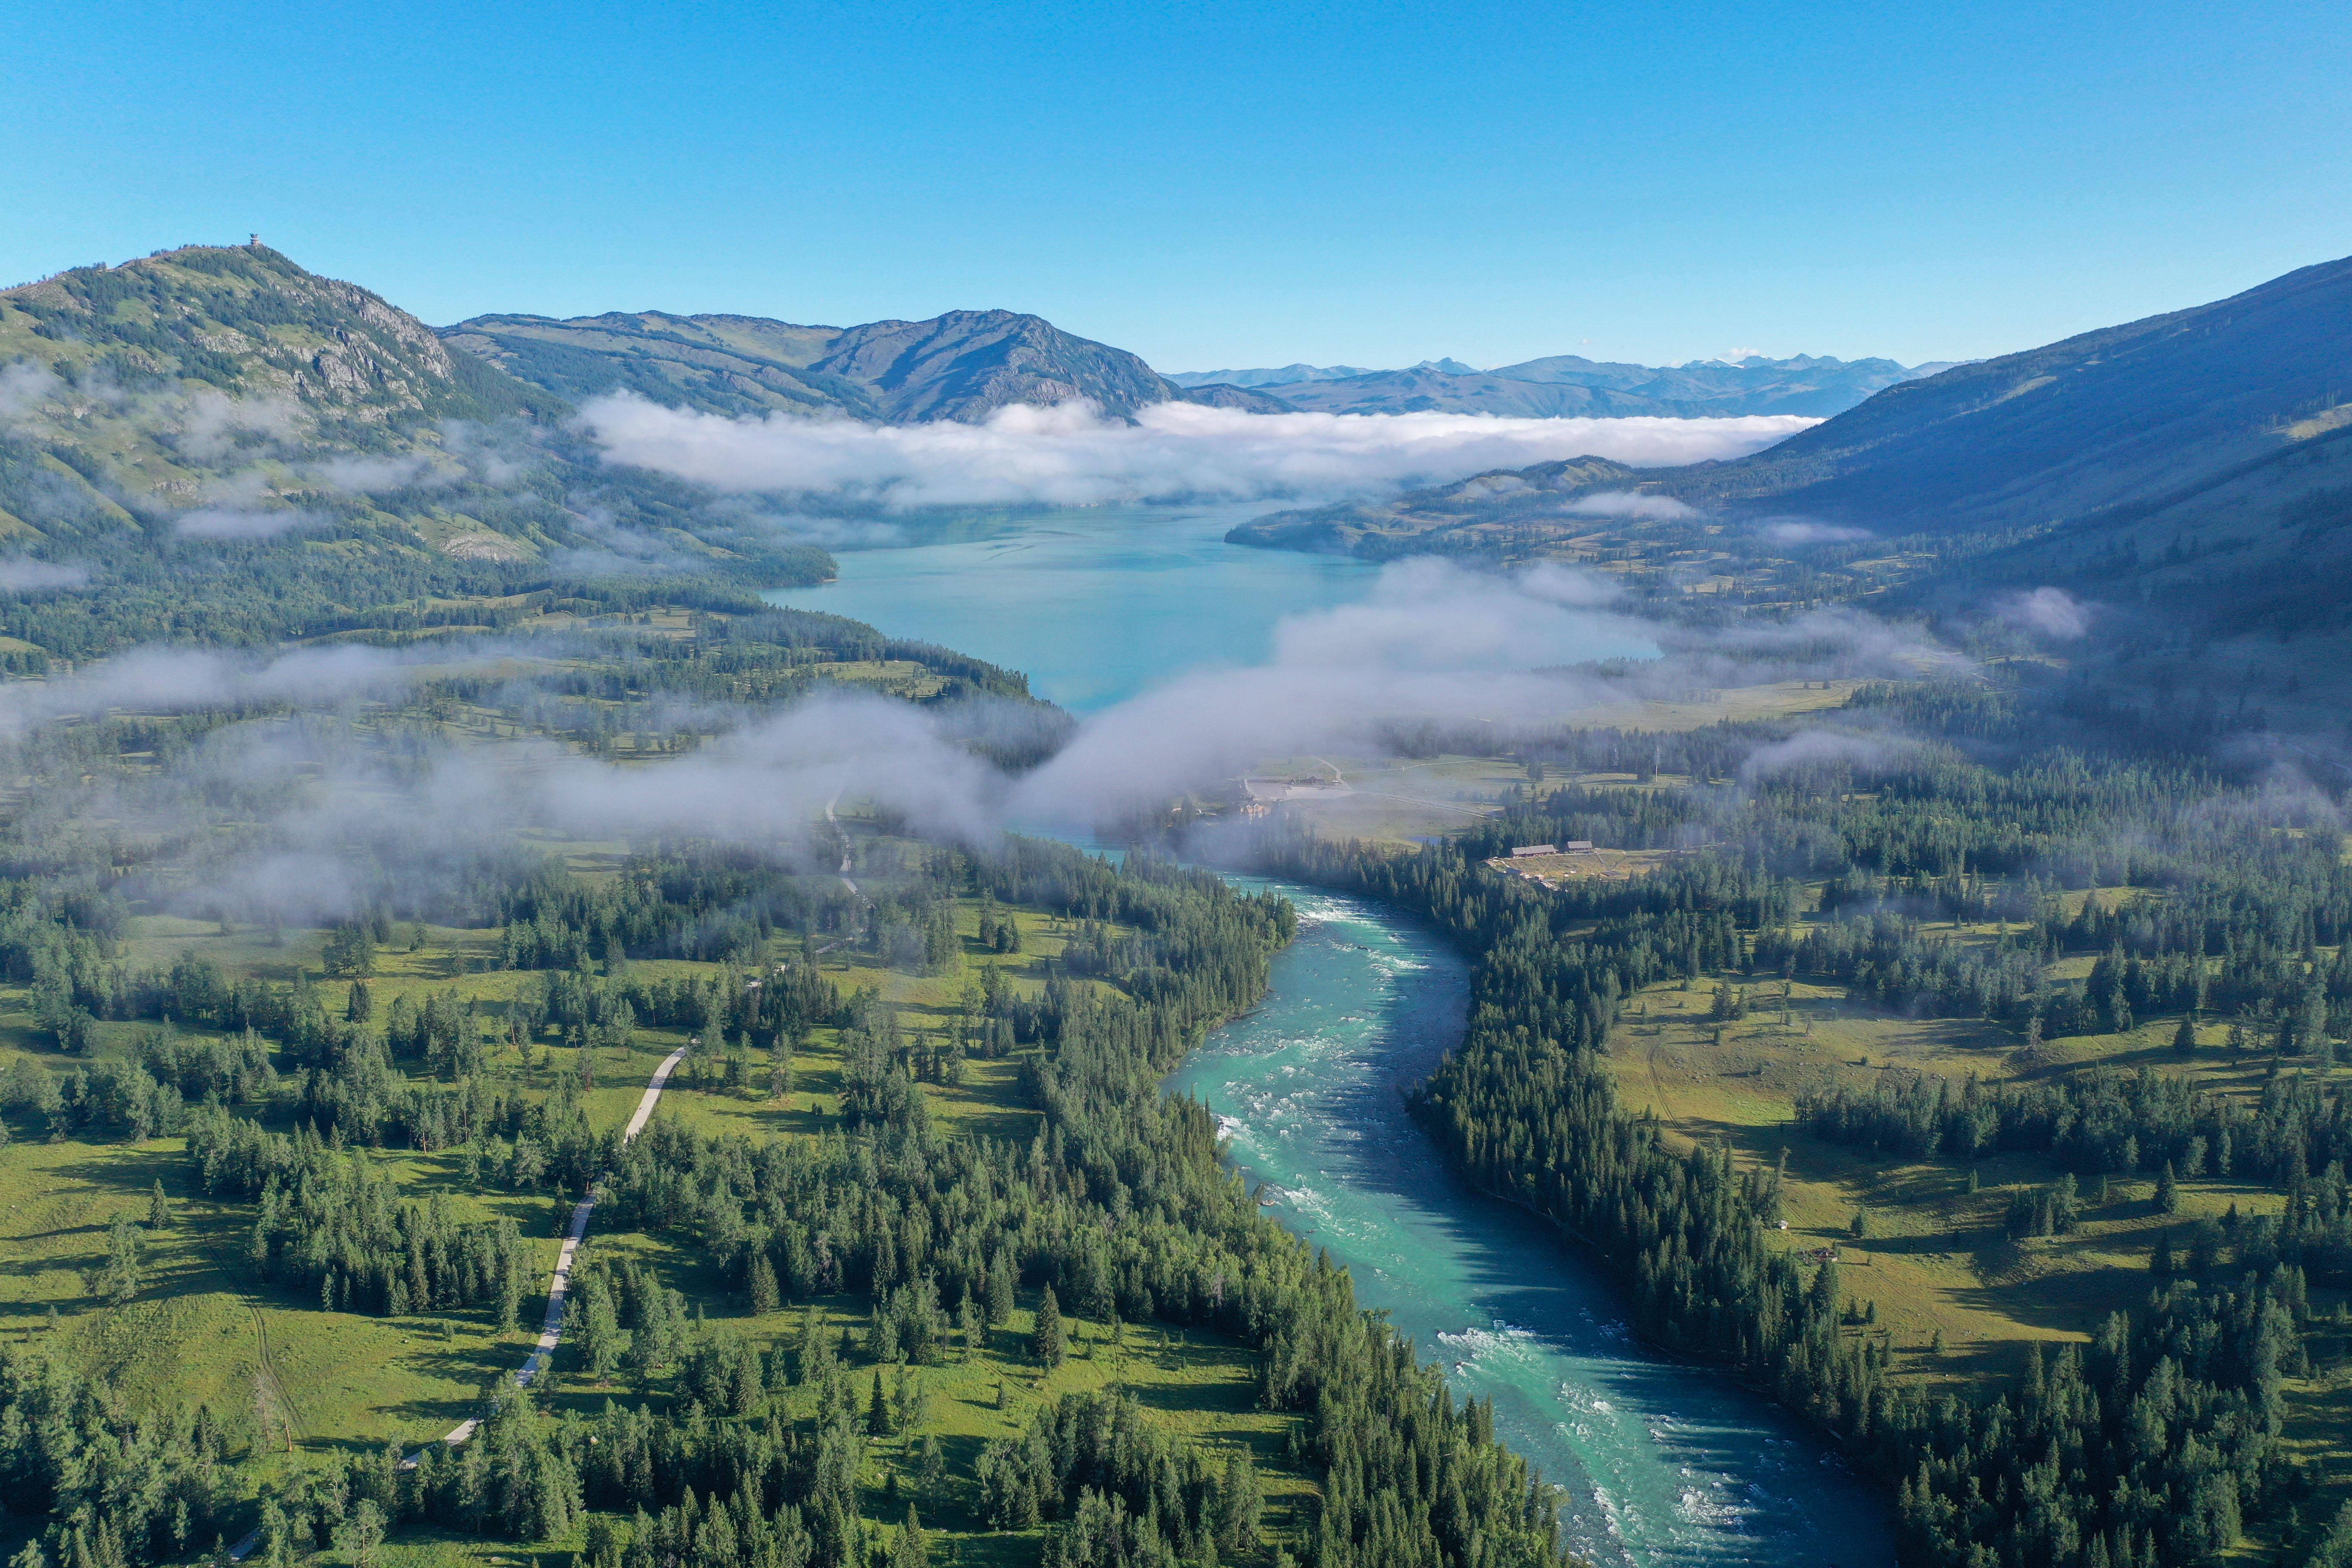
(960, 1451)
(2060, 1302)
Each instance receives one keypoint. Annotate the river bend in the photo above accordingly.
(1662, 1462)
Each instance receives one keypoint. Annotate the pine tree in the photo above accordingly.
(116, 1280)
(762, 1283)
(931, 1473)
(911, 1549)
(1050, 1342)
(996, 1306)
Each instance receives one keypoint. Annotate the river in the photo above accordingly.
(1663, 1462)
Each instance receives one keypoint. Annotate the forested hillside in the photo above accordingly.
(950, 1263)
(392, 791)
(2145, 1109)
(213, 445)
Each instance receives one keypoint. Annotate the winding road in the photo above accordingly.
(550, 1326)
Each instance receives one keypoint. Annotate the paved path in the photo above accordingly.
(550, 1326)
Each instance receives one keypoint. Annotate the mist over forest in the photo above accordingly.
(513, 1041)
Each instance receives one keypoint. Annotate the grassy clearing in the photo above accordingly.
(1773, 700)
(1396, 800)
(203, 1331)
(1935, 1260)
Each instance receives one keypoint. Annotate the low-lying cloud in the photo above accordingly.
(1433, 643)
(25, 575)
(1807, 531)
(1629, 504)
(25, 385)
(368, 475)
(1070, 455)
(183, 680)
(2052, 613)
(318, 815)
(246, 522)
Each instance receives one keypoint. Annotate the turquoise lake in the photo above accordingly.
(1093, 604)
(1661, 1462)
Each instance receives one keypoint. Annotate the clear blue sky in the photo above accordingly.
(1217, 184)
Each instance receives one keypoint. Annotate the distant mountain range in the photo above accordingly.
(963, 365)
(1568, 386)
(1283, 375)
(2202, 459)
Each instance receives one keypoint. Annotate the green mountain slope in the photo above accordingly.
(963, 365)
(722, 364)
(244, 320)
(213, 444)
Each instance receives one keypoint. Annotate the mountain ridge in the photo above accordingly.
(1571, 386)
(2200, 458)
(2226, 377)
(221, 413)
(961, 365)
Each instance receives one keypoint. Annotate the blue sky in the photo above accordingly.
(1218, 185)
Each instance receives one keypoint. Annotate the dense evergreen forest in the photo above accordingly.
(2160, 1442)
(1116, 1209)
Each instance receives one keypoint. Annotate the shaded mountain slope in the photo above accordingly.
(963, 365)
(2125, 415)
(2200, 458)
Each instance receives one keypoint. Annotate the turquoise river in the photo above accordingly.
(1662, 1462)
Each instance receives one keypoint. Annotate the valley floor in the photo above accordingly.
(281, 1374)
(1935, 1270)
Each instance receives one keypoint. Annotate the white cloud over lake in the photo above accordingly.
(1071, 456)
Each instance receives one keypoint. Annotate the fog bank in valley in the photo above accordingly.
(316, 797)
(1069, 454)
